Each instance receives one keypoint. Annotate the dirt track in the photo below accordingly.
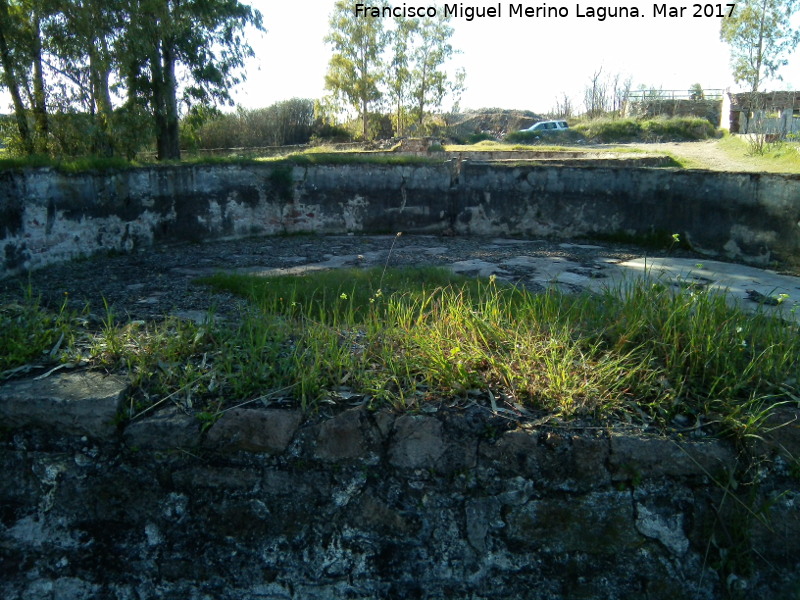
(706, 154)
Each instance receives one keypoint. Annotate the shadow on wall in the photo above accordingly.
(49, 217)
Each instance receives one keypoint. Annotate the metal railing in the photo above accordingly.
(655, 95)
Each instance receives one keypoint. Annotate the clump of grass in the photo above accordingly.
(29, 332)
(713, 359)
(530, 137)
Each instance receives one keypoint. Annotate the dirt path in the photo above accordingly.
(706, 154)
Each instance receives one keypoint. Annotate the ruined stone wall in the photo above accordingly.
(47, 216)
(706, 109)
(453, 504)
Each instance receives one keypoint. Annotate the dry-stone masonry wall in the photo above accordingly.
(267, 503)
(47, 216)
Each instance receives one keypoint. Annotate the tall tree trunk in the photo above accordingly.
(159, 106)
(100, 73)
(39, 99)
(759, 49)
(173, 141)
(364, 119)
(10, 79)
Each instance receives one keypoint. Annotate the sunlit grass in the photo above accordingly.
(781, 157)
(28, 332)
(492, 146)
(647, 348)
(405, 337)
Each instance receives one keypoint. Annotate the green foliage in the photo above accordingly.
(610, 130)
(283, 123)
(66, 165)
(29, 332)
(680, 128)
(404, 336)
(66, 54)
(476, 138)
(761, 36)
(537, 137)
(331, 134)
(355, 69)
(628, 130)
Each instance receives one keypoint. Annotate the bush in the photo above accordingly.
(330, 134)
(537, 137)
(631, 130)
(284, 123)
(682, 128)
(478, 137)
(610, 130)
(77, 134)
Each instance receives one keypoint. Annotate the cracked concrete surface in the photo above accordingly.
(158, 281)
(751, 288)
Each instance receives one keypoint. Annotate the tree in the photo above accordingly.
(563, 108)
(696, 92)
(429, 80)
(355, 70)
(760, 35)
(20, 29)
(65, 58)
(81, 36)
(595, 95)
(203, 37)
(399, 72)
(11, 76)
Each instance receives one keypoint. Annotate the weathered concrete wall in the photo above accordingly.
(47, 216)
(376, 505)
(750, 217)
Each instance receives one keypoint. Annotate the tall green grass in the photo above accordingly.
(30, 333)
(407, 337)
(403, 337)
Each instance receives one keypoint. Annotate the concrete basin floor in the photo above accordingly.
(153, 282)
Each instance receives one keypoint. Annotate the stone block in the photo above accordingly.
(229, 479)
(635, 458)
(665, 526)
(417, 443)
(268, 431)
(346, 436)
(561, 461)
(82, 403)
(600, 523)
(375, 515)
(169, 428)
(780, 434)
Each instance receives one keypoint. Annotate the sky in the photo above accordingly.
(514, 62)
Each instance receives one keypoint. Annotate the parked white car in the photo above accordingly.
(547, 127)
